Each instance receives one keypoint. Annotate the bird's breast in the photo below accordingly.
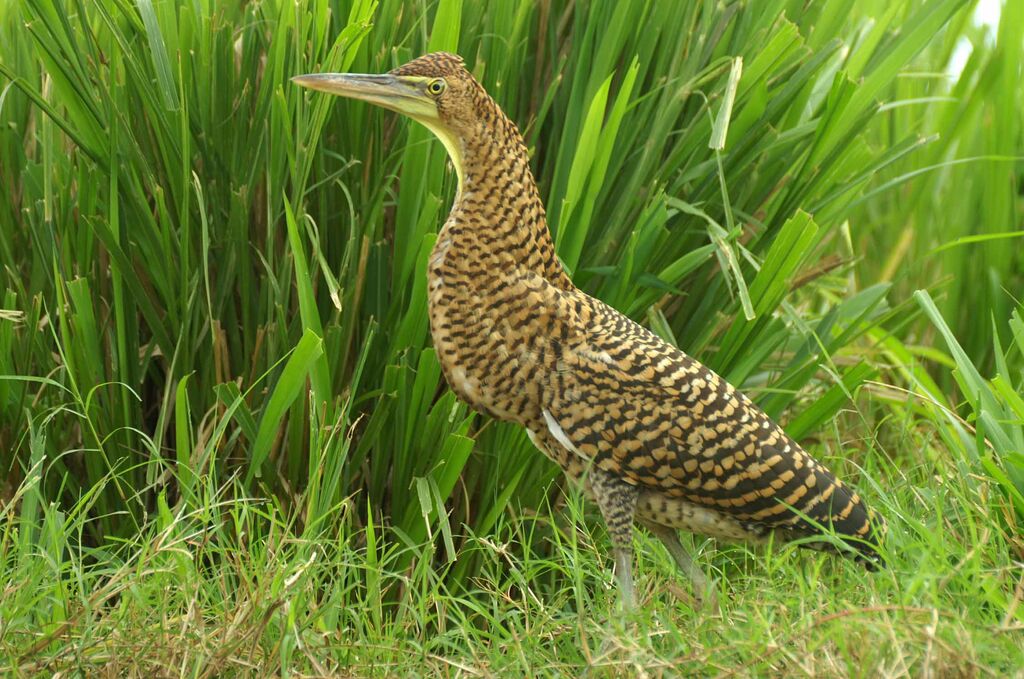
(490, 356)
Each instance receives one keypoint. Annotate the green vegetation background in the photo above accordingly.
(225, 441)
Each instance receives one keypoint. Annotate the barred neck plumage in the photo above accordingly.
(498, 217)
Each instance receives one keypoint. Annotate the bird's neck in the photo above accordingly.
(498, 219)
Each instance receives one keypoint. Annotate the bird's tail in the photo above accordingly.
(838, 508)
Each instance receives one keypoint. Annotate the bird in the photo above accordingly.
(654, 437)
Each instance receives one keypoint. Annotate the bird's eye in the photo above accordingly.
(436, 86)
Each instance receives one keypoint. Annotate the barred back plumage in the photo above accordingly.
(654, 435)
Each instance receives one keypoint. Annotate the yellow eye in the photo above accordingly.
(436, 86)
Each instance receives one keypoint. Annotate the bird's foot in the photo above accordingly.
(705, 589)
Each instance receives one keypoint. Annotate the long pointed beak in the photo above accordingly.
(404, 94)
(388, 91)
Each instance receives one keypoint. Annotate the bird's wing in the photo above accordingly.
(643, 410)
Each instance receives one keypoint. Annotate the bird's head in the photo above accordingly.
(434, 89)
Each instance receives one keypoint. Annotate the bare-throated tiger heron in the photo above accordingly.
(654, 436)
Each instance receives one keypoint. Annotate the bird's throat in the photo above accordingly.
(452, 144)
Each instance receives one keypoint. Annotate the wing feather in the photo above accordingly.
(643, 410)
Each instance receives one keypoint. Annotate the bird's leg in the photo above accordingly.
(704, 588)
(617, 500)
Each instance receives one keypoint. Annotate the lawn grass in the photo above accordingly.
(236, 588)
(225, 440)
